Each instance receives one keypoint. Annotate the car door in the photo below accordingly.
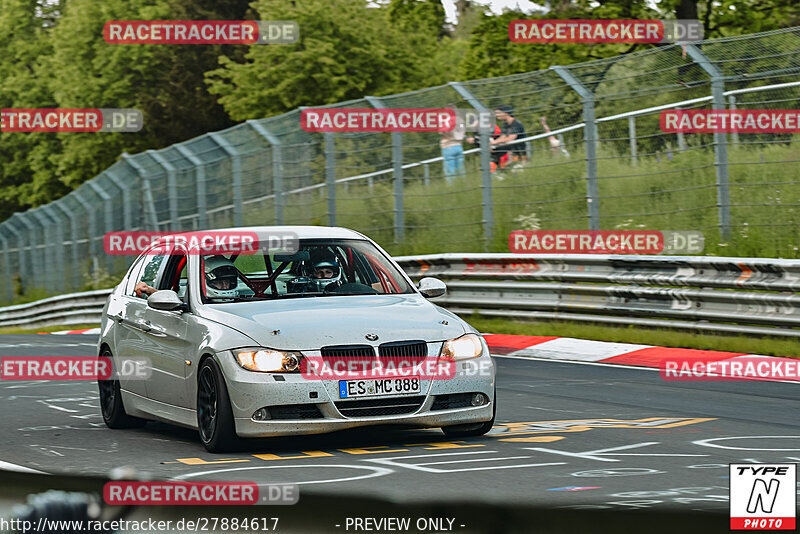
(130, 337)
(168, 344)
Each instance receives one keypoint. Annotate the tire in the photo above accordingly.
(111, 406)
(473, 429)
(214, 414)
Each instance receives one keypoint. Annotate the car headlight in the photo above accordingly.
(268, 360)
(462, 348)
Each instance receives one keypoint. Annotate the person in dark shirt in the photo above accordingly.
(510, 129)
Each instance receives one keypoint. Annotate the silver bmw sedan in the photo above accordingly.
(328, 336)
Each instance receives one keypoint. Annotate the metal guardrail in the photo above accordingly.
(73, 308)
(734, 295)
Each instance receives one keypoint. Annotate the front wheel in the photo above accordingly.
(472, 429)
(111, 405)
(214, 413)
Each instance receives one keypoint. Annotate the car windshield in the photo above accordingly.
(320, 267)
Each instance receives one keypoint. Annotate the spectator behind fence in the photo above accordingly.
(498, 159)
(452, 150)
(555, 144)
(511, 129)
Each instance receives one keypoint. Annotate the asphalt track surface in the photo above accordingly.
(567, 435)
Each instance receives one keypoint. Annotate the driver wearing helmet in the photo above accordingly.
(221, 276)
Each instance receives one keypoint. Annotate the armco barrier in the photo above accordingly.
(741, 295)
(73, 308)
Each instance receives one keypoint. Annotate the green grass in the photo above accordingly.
(769, 346)
(21, 330)
(655, 194)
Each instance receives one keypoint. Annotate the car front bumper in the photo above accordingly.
(249, 391)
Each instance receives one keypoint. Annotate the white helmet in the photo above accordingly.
(221, 277)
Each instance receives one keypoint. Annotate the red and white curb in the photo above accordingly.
(584, 350)
(84, 331)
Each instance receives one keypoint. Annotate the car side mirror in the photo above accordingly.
(165, 300)
(431, 287)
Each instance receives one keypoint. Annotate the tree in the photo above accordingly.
(346, 50)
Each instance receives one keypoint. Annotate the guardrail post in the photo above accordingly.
(36, 263)
(8, 287)
(236, 176)
(108, 217)
(172, 189)
(487, 201)
(732, 107)
(426, 175)
(590, 140)
(59, 240)
(330, 175)
(720, 139)
(20, 254)
(632, 135)
(200, 185)
(127, 211)
(87, 206)
(397, 164)
(148, 203)
(73, 229)
(277, 168)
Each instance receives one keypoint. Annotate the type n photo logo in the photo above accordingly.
(763, 496)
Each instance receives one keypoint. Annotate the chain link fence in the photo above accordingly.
(604, 164)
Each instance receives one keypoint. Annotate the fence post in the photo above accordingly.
(330, 175)
(277, 168)
(8, 289)
(148, 203)
(200, 178)
(172, 189)
(36, 264)
(127, 212)
(397, 165)
(108, 217)
(632, 135)
(73, 229)
(236, 171)
(20, 254)
(48, 255)
(720, 139)
(87, 206)
(590, 140)
(732, 107)
(487, 201)
(55, 216)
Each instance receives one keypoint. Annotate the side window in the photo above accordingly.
(152, 266)
(175, 275)
(133, 275)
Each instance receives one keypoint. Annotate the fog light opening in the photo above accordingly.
(262, 414)
(479, 399)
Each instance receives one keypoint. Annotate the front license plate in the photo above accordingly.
(349, 389)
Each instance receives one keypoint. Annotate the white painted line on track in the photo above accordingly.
(19, 468)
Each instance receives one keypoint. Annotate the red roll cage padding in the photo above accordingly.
(177, 276)
(382, 270)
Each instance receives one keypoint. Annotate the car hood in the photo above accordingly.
(311, 323)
